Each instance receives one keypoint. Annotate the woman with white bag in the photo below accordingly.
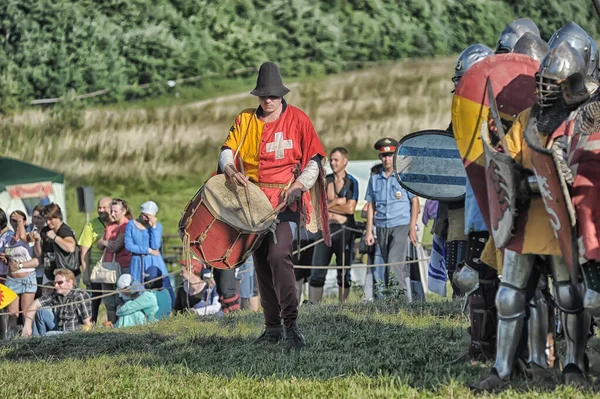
(116, 257)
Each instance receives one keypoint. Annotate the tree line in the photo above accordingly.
(56, 48)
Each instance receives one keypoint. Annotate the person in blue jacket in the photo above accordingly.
(143, 238)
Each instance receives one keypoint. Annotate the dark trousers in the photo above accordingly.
(95, 302)
(342, 245)
(276, 280)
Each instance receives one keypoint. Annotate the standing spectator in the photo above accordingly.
(57, 242)
(5, 236)
(113, 245)
(73, 308)
(394, 213)
(304, 258)
(90, 253)
(37, 224)
(342, 195)
(248, 285)
(199, 292)
(21, 274)
(143, 238)
(377, 275)
(140, 306)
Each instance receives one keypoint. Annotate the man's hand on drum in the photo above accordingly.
(235, 176)
(293, 193)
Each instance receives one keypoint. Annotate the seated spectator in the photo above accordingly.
(21, 274)
(198, 293)
(140, 306)
(73, 309)
(153, 282)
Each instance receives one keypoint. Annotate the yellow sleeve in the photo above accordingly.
(86, 239)
(514, 137)
(235, 131)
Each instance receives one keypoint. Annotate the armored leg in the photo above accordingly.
(575, 320)
(537, 326)
(512, 309)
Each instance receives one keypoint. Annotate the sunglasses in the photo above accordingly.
(61, 282)
(263, 98)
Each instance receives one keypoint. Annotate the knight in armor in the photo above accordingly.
(560, 91)
(583, 161)
(476, 279)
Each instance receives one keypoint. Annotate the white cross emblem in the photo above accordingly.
(279, 146)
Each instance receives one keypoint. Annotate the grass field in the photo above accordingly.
(385, 350)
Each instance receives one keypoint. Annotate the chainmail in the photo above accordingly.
(559, 148)
(550, 118)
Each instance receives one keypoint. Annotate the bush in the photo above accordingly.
(53, 47)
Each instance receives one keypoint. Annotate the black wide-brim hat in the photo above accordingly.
(269, 82)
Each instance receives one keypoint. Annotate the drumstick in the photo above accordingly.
(247, 194)
(273, 212)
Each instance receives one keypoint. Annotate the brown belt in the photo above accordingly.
(271, 185)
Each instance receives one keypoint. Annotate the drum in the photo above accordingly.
(222, 225)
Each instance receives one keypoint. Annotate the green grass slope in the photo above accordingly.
(386, 350)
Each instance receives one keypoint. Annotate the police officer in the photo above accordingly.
(394, 213)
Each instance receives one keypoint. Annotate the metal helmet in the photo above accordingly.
(561, 74)
(470, 56)
(467, 279)
(581, 42)
(533, 46)
(513, 32)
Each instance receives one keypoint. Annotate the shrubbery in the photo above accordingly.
(54, 47)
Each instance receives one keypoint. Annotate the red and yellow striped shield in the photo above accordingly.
(512, 77)
(6, 296)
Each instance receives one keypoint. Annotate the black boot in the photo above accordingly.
(271, 335)
(293, 338)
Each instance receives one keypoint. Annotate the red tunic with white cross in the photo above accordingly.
(275, 152)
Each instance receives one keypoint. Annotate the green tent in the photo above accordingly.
(13, 171)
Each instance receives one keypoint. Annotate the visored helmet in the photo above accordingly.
(471, 55)
(581, 42)
(513, 32)
(561, 74)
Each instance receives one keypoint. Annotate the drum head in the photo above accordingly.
(228, 202)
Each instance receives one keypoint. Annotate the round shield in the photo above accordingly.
(428, 164)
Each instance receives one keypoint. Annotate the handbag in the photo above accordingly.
(105, 272)
(70, 261)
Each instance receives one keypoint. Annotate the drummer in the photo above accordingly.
(281, 154)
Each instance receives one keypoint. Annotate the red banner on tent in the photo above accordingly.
(31, 190)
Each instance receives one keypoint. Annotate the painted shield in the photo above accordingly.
(427, 163)
(555, 193)
(501, 179)
(584, 162)
(512, 77)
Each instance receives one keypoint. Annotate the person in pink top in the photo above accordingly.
(113, 245)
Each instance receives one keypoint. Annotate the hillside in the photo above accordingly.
(166, 153)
